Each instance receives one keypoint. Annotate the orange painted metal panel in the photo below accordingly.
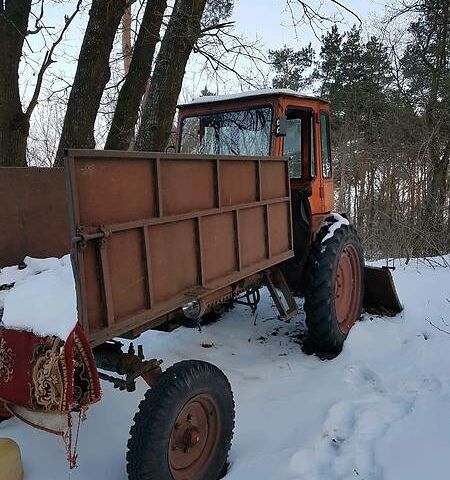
(128, 189)
(328, 195)
(273, 180)
(253, 238)
(279, 228)
(127, 272)
(219, 245)
(33, 214)
(321, 199)
(238, 182)
(174, 262)
(195, 224)
(187, 186)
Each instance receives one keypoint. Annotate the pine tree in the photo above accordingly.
(328, 69)
(291, 67)
(426, 69)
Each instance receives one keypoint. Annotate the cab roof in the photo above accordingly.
(268, 92)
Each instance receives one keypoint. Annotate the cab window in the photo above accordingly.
(293, 147)
(325, 144)
(239, 132)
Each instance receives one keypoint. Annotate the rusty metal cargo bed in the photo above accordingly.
(153, 231)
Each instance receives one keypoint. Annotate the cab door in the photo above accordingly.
(326, 187)
(302, 144)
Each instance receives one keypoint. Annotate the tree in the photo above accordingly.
(14, 119)
(183, 30)
(14, 123)
(216, 11)
(291, 67)
(92, 75)
(189, 21)
(426, 68)
(130, 96)
(381, 137)
(329, 72)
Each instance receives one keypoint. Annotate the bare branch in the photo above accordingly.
(348, 10)
(217, 26)
(48, 60)
(38, 18)
(313, 16)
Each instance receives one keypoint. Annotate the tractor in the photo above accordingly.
(328, 266)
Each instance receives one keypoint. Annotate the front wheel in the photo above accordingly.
(335, 287)
(184, 426)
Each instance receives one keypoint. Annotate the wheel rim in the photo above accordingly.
(347, 288)
(193, 438)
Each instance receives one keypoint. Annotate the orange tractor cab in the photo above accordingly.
(328, 267)
(266, 123)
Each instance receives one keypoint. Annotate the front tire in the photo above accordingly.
(335, 287)
(184, 426)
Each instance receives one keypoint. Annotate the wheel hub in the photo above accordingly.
(186, 437)
(347, 288)
(193, 438)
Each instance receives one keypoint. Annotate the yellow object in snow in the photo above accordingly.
(10, 461)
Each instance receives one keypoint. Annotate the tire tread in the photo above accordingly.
(323, 330)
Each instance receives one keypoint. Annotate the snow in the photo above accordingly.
(42, 299)
(264, 92)
(11, 275)
(379, 411)
(340, 220)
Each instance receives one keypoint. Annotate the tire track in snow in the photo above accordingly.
(346, 447)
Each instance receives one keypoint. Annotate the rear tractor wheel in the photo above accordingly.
(335, 286)
(184, 426)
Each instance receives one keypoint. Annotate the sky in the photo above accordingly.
(270, 23)
(267, 21)
(270, 19)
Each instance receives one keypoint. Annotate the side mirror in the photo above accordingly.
(281, 126)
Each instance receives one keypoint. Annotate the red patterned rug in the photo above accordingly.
(43, 380)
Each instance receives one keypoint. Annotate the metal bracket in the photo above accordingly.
(105, 235)
(250, 298)
(109, 356)
(82, 237)
(275, 282)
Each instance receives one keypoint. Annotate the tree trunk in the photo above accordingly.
(91, 77)
(436, 197)
(123, 124)
(182, 32)
(126, 39)
(14, 123)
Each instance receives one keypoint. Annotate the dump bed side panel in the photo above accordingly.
(33, 214)
(152, 231)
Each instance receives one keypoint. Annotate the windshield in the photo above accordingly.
(242, 132)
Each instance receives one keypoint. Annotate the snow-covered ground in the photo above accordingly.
(379, 411)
